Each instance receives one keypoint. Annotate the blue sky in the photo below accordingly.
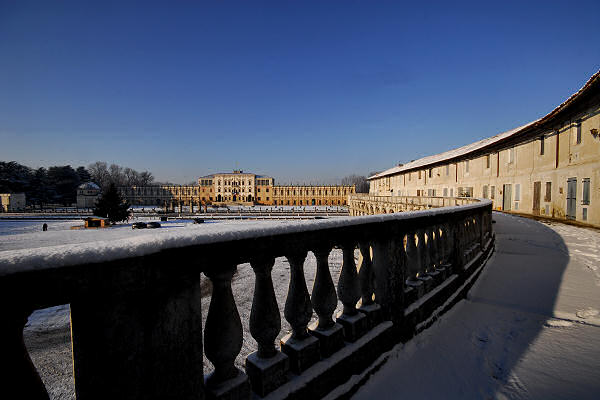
(303, 91)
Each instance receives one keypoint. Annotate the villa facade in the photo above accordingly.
(548, 167)
(237, 187)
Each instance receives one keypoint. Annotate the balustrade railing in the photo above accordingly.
(136, 320)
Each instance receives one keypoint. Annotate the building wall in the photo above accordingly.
(236, 188)
(312, 195)
(12, 202)
(520, 165)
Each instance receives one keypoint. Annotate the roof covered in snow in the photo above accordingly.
(464, 151)
(89, 186)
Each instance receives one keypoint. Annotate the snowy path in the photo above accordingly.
(530, 328)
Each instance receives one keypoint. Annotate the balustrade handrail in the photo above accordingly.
(152, 281)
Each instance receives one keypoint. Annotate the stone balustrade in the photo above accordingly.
(137, 321)
(367, 204)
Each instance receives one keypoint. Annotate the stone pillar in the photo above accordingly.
(19, 377)
(366, 278)
(267, 368)
(324, 301)
(355, 323)
(223, 338)
(137, 333)
(299, 346)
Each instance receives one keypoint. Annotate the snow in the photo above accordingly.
(44, 250)
(526, 331)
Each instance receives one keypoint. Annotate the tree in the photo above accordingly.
(360, 182)
(112, 206)
(99, 173)
(84, 175)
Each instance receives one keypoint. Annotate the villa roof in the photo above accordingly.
(464, 151)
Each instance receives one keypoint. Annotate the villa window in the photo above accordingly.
(586, 191)
(542, 145)
(487, 161)
(548, 196)
(578, 132)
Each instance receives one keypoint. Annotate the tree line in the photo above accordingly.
(58, 184)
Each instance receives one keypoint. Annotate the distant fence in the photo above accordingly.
(366, 204)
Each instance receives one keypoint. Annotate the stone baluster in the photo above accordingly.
(413, 260)
(366, 279)
(267, 368)
(223, 332)
(366, 276)
(298, 309)
(424, 260)
(20, 379)
(348, 286)
(324, 301)
(354, 323)
(432, 241)
(265, 321)
(324, 298)
(299, 346)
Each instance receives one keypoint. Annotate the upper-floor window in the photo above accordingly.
(578, 132)
(487, 161)
(511, 155)
(467, 166)
(542, 145)
(419, 174)
(447, 170)
(430, 172)
(517, 192)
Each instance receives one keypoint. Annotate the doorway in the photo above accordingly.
(507, 197)
(571, 198)
(537, 197)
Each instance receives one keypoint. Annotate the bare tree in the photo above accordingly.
(360, 182)
(99, 173)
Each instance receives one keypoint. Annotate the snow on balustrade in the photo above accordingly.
(136, 302)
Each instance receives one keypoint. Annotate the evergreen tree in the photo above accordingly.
(112, 206)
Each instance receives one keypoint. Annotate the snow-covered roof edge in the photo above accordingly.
(469, 148)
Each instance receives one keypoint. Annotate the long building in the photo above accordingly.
(548, 167)
(237, 187)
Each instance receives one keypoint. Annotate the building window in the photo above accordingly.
(584, 214)
(430, 172)
(492, 192)
(586, 191)
(485, 192)
(445, 192)
(467, 166)
(267, 199)
(578, 132)
(447, 170)
(542, 145)
(419, 174)
(487, 161)
(517, 192)
(267, 190)
(548, 196)
(451, 192)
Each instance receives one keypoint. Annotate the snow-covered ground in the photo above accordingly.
(529, 328)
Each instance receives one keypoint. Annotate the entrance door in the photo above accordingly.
(571, 198)
(507, 197)
(537, 197)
